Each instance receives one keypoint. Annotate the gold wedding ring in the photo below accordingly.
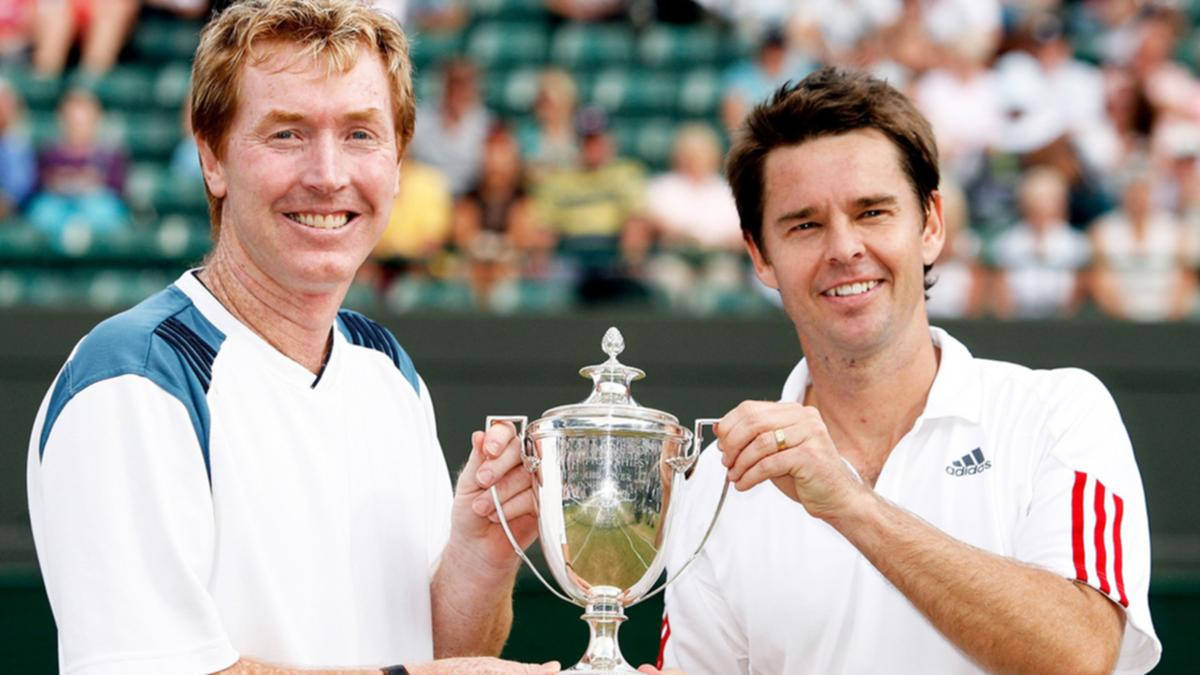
(780, 439)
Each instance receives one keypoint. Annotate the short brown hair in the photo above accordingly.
(329, 30)
(828, 102)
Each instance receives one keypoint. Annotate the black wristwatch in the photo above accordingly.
(395, 670)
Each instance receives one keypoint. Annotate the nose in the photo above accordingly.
(843, 242)
(326, 166)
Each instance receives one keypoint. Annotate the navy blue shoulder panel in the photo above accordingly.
(165, 339)
(364, 332)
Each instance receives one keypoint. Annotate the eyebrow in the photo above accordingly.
(285, 117)
(876, 200)
(861, 203)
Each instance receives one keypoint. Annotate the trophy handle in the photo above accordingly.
(689, 458)
(532, 462)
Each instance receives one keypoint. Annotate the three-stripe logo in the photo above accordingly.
(970, 464)
(1094, 505)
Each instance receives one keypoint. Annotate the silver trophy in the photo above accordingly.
(604, 473)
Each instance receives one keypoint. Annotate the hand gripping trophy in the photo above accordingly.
(604, 475)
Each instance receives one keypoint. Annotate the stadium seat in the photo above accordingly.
(666, 46)
(411, 294)
(171, 85)
(40, 93)
(182, 195)
(126, 86)
(511, 10)
(700, 93)
(158, 40)
(512, 92)
(428, 48)
(148, 135)
(583, 46)
(635, 91)
(496, 44)
(527, 296)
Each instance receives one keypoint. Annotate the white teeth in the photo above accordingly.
(852, 289)
(323, 222)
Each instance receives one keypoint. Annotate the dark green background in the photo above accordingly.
(477, 366)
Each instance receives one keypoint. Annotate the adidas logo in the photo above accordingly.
(971, 463)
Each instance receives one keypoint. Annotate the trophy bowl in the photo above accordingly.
(606, 473)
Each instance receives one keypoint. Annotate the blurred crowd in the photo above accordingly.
(1069, 134)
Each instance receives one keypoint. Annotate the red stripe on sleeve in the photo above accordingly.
(1101, 556)
(1077, 525)
(1117, 571)
(662, 643)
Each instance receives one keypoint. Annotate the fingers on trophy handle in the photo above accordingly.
(685, 462)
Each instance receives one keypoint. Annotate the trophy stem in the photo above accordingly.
(604, 615)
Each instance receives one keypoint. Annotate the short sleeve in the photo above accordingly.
(1087, 516)
(122, 517)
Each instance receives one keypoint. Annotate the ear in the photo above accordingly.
(933, 236)
(762, 267)
(214, 172)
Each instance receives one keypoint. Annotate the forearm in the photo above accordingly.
(472, 605)
(1008, 616)
(249, 667)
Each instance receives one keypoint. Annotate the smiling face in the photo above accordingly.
(845, 241)
(308, 171)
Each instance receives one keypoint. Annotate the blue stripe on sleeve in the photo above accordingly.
(164, 339)
(364, 332)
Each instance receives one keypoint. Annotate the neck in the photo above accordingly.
(297, 325)
(869, 402)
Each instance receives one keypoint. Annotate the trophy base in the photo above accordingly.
(604, 615)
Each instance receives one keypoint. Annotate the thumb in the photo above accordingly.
(548, 668)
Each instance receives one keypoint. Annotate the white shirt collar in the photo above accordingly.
(230, 325)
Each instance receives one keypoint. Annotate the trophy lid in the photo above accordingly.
(611, 397)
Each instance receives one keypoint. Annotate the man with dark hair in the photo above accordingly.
(904, 507)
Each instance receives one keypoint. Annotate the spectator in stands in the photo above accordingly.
(961, 281)
(1170, 86)
(16, 30)
(80, 179)
(549, 142)
(1057, 92)
(594, 210)
(498, 205)
(185, 159)
(491, 271)
(586, 10)
(184, 9)
(103, 25)
(419, 227)
(1040, 260)
(426, 15)
(450, 136)
(749, 82)
(1141, 271)
(1130, 117)
(694, 218)
(18, 168)
(963, 101)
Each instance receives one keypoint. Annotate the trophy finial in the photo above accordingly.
(613, 342)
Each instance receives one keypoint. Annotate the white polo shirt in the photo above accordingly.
(1031, 464)
(196, 496)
